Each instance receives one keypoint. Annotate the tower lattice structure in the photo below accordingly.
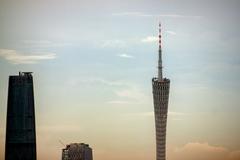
(160, 87)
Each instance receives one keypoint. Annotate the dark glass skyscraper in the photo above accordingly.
(20, 132)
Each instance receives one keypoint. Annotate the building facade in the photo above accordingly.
(77, 151)
(161, 88)
(20, 131)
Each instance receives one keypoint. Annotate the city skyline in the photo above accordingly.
(92, 63)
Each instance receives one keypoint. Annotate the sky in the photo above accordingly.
(93, 61)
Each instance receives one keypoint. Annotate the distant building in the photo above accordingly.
(77, 151)
(161, 88)
(20, 132)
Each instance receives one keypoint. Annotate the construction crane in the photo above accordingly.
(61, 143)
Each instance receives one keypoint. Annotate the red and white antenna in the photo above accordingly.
(160, 36)
(160, 76)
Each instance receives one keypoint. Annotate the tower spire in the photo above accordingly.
(160, 76)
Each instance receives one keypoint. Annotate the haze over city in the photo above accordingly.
(92, 64)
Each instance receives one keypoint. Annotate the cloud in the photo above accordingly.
(118, 102)
(42, 44)
(177, 16)
(149, 39)
(113, 44)
(176, 113)
(124, 92)
(140, 14)
(128, 14)
(171, 33)
(93, 80)
(153, 39)
(15, 57)
(131, 93)
(200, 151)
(59, 128)
(142, 114)
(235, 155)
(125, 55)
(150, 114)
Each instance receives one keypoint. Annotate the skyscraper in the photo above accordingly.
(20, 132)
(77, 151)
(160, 97)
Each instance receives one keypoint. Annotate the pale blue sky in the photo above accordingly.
(93, 62)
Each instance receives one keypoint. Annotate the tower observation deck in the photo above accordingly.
(160, 87)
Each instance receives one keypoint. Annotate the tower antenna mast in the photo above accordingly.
(160, 74)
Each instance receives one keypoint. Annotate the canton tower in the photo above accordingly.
(160, 87)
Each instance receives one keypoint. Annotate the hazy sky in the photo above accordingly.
(93, 61)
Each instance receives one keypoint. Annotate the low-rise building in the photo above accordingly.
(77, 151)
